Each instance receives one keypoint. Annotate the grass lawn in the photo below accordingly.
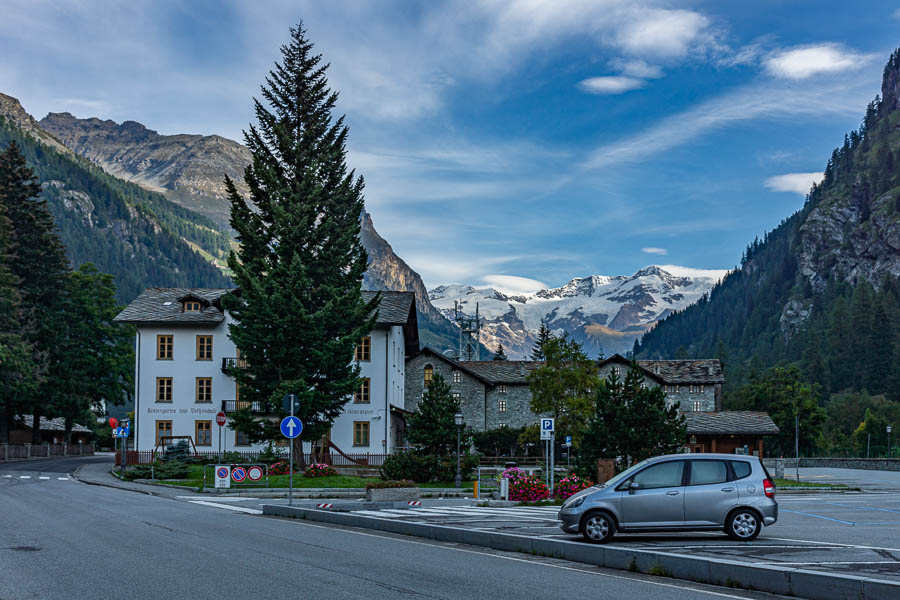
(792, 483)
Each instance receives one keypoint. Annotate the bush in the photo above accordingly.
(427, 468)
(528, 489)
(280, 468)
(320, 470)
(401, 483)
(172, 469)
(270, 455)
(569, 485)
(177, 452)
(511, 473)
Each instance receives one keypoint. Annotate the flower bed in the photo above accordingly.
(569, 485)
(320, 470)
(279, 468)
(528, 489)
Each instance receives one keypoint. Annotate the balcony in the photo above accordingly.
(233, 362)
(256, 408)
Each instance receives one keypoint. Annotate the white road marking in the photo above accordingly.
(249, 511)
(523, 560)
(42, 477)
(24, 476)
(63, 478)
(206, 498)
(835, 562)
(834, 544)
(7, 475)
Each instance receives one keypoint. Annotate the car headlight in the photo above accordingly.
(574, 503)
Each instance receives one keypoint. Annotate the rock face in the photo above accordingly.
(11, 109)
(603, 313)
(189, 169)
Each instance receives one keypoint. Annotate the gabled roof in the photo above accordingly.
(619, 359)
(513, 372)
(394, 308)
(57, 424)
(450, 361)
(735, 422)
(708, 370)
(162, 306)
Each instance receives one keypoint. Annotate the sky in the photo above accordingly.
(515, 143)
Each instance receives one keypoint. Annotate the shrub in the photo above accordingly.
(180, 451)
(270, 455)
(569, 485)
(172, 469)
(528, 489)
(511, 473)
(280, 468)
(396, 483)
(427, 468)
(320, 470)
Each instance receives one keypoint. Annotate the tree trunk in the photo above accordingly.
(68, 433)
(299, 459)
(5, 426)
(36, 426)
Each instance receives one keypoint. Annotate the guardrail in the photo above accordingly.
(235, 481)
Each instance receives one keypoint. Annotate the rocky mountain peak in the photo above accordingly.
(11, 109)
(890, 83)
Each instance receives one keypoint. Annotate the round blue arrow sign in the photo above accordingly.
(291, 427)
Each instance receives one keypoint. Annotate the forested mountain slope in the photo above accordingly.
(138, 236)
(820, 290)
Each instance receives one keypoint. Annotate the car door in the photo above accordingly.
(657, 500)
(709, 494)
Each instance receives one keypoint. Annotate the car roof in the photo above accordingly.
(701, 455)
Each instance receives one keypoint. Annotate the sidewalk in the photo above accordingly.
(99, 474)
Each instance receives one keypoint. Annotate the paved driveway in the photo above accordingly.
(867, 480)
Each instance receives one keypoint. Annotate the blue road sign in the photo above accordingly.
(238, 474)
(291, 427)
(568, 440)
(121, 432)
(546, 424)
(222, 472)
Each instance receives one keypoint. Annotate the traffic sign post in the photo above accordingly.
(291, 427)
(548, 426)
(568, 451)
(221, 419)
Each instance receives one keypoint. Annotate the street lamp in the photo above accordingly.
(890, 454)
(460, 421)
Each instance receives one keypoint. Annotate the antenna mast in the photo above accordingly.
(469, 333)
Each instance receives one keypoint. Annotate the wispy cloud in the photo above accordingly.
(651, 250)
(512, 284)
(680, 271)
(610, 84)
(803, 62)
(661, 32)
(798, 183)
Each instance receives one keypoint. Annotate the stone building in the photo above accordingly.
(696, 384)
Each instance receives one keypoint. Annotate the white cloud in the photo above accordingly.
(610, 84)
(660, 32)
(659, 251)
(512, 284)
(680, 271)
(805, 61)
(637, 68)
(799, 183)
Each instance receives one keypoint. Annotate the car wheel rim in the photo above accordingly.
(744, 525)
(597, 528)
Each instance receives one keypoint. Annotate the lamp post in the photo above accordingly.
(890, 454)
(460, 421)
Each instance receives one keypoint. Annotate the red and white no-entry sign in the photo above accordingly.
(254, 473)
(220, 419)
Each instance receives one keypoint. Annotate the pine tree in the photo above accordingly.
(432, 428)
(41, 267)
(537, 353)
(500, 354)
(300, 312)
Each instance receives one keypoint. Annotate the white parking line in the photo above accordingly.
(7, 475)
(206, 498)
(24, 476)
(249, 511)
(42, 477)
(63, 478)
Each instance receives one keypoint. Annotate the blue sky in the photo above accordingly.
(516, 143)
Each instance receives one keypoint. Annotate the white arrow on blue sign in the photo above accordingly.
(291, 427)
(121, 432)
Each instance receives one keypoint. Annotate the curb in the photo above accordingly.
(109, 485)
(777, 580)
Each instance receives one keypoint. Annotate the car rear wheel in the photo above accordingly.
(743, 525)
(598, 528)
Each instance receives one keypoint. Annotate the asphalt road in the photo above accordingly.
(60, 538)
(866, 480)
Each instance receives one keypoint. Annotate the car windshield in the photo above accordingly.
(624, 474)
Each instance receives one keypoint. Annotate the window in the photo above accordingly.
(661, 475)
(456, 396)
(203, 433)
(360, 433)
(501, 405)
(241, 439)
(362, 394)
(164, 347)
(192, 306)
(457, 376)
(204, 347)
(616, 371)
(502, 425)
(204, 389)
(163, 429)
(364, 349)
(741, 469)
(696, 406)
(429, 373)
(708, 471)
(501, 389)
(164, 389)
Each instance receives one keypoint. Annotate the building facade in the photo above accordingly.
(183, 353)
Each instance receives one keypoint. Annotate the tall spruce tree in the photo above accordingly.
(500, 354)
(432, 428)
(537, 353)
(41, 268)
(300, 311)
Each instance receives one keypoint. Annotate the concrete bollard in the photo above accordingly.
(779, 468)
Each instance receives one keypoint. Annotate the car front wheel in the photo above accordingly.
(743, 525)
(598, 528)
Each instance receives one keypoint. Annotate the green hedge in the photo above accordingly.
(427, 468)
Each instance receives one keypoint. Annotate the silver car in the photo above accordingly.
(677, 492)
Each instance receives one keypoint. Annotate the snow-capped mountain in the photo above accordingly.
(605, 314)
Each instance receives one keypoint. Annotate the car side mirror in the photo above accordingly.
(633, 486)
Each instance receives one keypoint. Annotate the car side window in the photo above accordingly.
(708, 471)
(660, 475)
(741, 469)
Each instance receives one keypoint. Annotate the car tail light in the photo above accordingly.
(769, 488)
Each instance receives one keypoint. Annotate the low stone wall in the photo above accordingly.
(868, 464)
(392, 494)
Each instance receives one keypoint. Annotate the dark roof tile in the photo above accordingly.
(747, 422)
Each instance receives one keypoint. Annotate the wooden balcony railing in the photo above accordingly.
(257, 408)
(233, 362)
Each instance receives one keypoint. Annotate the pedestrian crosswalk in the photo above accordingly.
(466, 513)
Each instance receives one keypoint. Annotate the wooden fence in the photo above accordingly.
(8, 452)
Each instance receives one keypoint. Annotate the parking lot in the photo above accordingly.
(848, 533)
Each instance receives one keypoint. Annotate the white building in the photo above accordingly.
(182, 350)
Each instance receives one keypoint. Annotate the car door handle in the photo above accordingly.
(671, 493)
(727, 489)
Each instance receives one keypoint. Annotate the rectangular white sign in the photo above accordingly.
(223, 476)
(546, 434)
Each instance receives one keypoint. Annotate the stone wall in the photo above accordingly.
(518, 407)
(867, 464)
(707, 394)
(471, 390)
